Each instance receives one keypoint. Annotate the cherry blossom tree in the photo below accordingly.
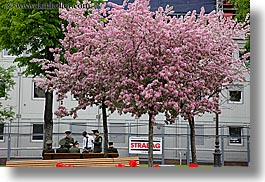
(173, 65)
(140, 62)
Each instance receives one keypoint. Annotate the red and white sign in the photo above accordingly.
(139, 145)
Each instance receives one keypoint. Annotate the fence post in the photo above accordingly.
(129, 135)
(188, 146)
(163, 144)
(9, 141)
(248, 146)
(222, 147)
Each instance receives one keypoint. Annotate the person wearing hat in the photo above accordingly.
(97, 142)
(75, 148)
(48, 148)
(62, 149)
(112, 149)
(68, 141)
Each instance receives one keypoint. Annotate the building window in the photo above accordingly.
(2, 90)
(38, 93)
(235, 136)
(235, 95)
(1, 132)
(37, 133)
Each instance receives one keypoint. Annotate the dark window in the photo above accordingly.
(2, 90)
(38, 92)
(235, 135)
(235, 96)
(1, 131)
(37, 133)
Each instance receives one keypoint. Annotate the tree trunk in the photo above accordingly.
(192, 139)
(150, 141)
(48, 113)
(105, 128)
(48, 117)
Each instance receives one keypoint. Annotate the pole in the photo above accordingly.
(137, 125)
(9, 141)
(18, 115)
(217, 153)
(129, 135)
(248, 146)
(98, 116)
(188, 146)
(163, 144)
(219, 5)
(222, 146)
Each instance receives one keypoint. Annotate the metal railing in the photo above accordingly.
(17, 140)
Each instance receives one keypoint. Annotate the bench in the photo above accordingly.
(51, 156)
(89, 162)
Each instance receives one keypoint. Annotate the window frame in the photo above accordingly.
(33, 93)
(236, 88)
(2, 138)
(32, 133)
(3, 97)
(241, 138)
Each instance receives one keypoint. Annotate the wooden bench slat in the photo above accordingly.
(89, 162)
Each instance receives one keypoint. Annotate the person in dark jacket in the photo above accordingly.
(48, 147)
(62, 149)
(67, 141)
(112, 149)
(97, 142)
(75, 148)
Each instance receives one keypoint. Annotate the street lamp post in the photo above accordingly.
(217, 152)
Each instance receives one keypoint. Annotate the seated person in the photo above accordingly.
(68, 140)
(62, 149)
(112, 149)
(48, 147)
(75, 148)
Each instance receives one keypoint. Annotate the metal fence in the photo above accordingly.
(24, 140)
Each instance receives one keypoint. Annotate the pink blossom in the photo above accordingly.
(142, 62)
